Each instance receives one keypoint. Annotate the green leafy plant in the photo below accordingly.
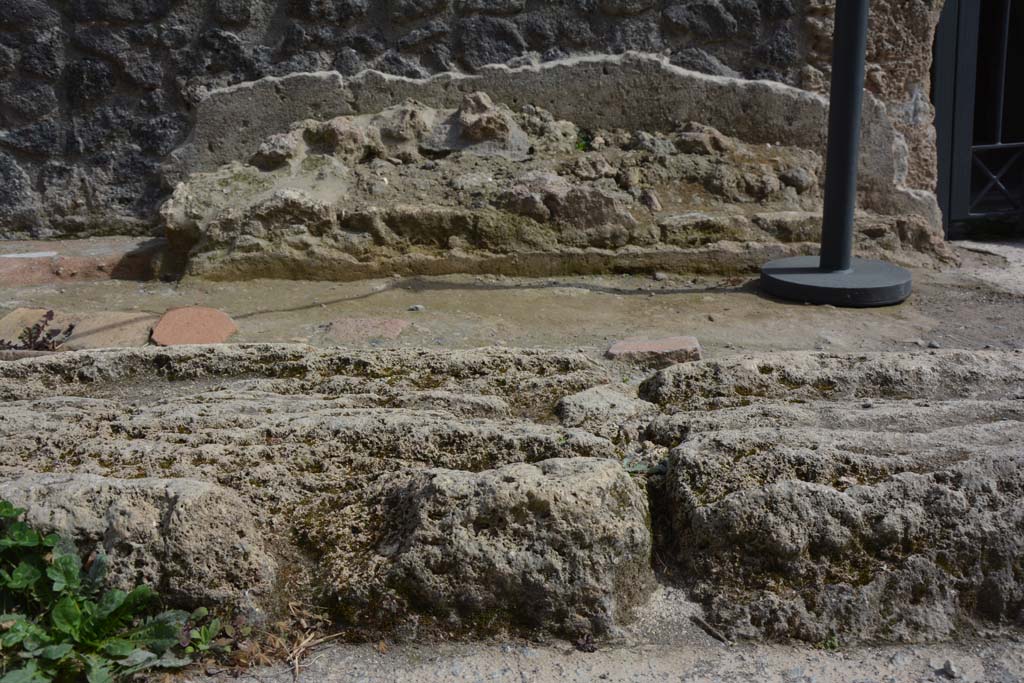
(39, 337)
(204, 636)
(584, 141)
(59, 623)
(831, 643)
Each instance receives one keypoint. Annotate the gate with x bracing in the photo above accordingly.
(979, 97)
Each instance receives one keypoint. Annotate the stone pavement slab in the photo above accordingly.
(997, 660)
(347, 330)
(93, 330)
(951, 309)
(39, 262)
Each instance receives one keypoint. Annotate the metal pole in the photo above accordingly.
(835, 277)
(844, 125)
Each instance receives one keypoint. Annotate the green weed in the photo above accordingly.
(59, 623)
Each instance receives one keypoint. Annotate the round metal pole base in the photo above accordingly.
(867, 284)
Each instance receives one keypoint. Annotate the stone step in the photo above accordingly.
(862, 416)
(877, 496)
(712, 465)
(187, 439)
(806, 376)
(531, 381)
(257, 401)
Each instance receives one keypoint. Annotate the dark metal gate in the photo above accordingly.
(979, 98)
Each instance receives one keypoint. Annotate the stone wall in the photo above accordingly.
(96, 94)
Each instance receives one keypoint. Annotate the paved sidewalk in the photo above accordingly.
(990, 662)
(977, 306)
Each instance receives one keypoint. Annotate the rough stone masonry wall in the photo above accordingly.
(95, 94)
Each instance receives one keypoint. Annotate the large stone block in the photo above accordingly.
(219, 457)
(562, 546)
(855, 497)
(193, 541)
(421, 188)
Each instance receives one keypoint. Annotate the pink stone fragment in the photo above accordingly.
(193, 325)
(659, 352)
